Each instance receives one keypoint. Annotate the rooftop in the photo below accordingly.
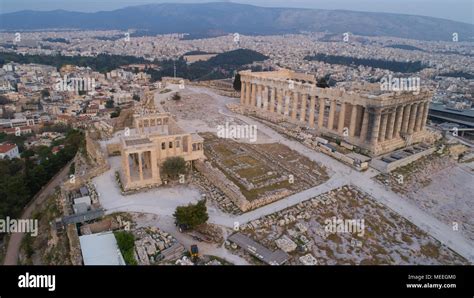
(100, 249)
(5, 147)
(442, 108)
(196, 138)
(277, 257)
(135, 142)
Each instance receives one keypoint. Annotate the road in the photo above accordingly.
(14, 244)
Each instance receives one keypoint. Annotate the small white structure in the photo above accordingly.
(82, 204)
(85, 199)
(100, 249)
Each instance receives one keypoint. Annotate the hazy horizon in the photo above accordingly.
(456, 10)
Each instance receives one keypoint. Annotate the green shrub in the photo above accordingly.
(126, 244)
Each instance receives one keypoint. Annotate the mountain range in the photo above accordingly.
(213, 19)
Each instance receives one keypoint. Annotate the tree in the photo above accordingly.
(192, 215)
(116, 113)
(58, 127)
(44, 93)
(173, 167)
(109, 104)
(237, 82)
(136, 97)
(22, 178)
(322, 83)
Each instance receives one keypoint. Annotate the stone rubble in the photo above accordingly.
(151, 243)
(286, 244)
(308, 259)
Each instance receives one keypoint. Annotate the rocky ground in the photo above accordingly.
(49, 247)
(440, 186)
(386, 238)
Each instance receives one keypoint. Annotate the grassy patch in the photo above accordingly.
(126, 244)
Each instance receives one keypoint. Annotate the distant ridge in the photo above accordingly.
(211, 19)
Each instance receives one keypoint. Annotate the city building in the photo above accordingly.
(9, 150)
(442, 113)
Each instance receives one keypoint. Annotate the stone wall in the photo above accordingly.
(97, 164)
(125, 119)
(229, 92)
(233, 192)
(268, 198)
(75, 253)
(389, 167)
(223, 183)
(114, 149)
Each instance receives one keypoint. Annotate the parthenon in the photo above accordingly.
(364, 116)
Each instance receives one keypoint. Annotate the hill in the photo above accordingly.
(211, 19)
(219, 67)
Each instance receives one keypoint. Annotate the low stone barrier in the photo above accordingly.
(223, 183)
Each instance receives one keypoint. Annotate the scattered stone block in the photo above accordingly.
(301, 227)
(308, 260)
(286, 244)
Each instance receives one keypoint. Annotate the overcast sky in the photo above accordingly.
(458, 10)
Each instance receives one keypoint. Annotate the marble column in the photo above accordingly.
(265, 98)
(126, 161)
(342, 115)
(287, 103)
(419, 116)
(383, 128)
(311, 110)
(153, 163)
(322, 103)
(332, 111)
(295, 105)
(352, 126)
(242, 93)
(425, 115)
(280, 101)
(411, 123)
(272, 100)
(398, 122)
(365, 125)
(304, 102)
(248, 93)
(406, 118)
(253, 95)
(140, 165)
(259, 96)
(375, 128)
(390, 125)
